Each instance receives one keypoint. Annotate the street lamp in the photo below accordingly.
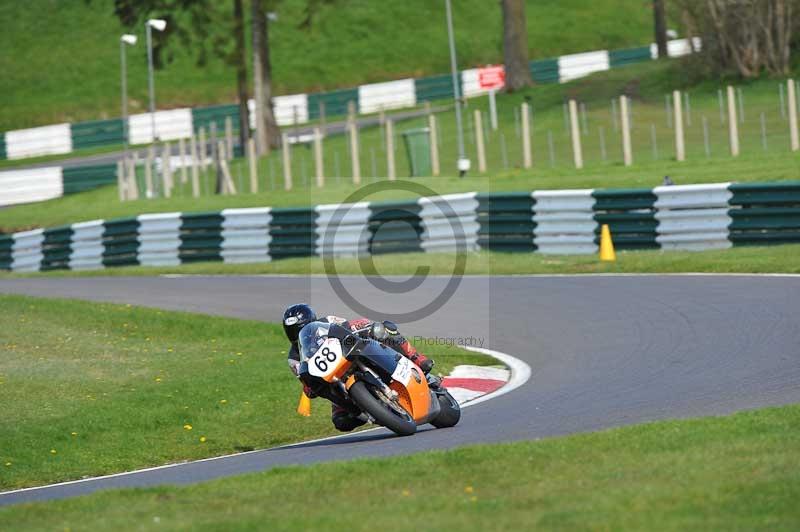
(129, 40)
(159, 25)
(463, 162)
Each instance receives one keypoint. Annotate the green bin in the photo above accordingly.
(418, 147)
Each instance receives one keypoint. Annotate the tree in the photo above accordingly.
(660, 20)
(747, 37)
(268, 135)
(515, 45)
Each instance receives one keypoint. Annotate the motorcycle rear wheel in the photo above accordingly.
(383, 414)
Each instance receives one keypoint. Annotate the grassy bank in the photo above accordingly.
(735, 472)
(750, 259)
(101, 388)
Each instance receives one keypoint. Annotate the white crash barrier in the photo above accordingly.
(245, 235)
(35, 184)
(159, 239)
(169, 125)
(449, 222)
(564, 222)
(579, 65)
(470, 84)
(87, 245)
(45, 140)
(390, 95)
(693, 217)
(290, 109)
(342, 230)
(27, 251)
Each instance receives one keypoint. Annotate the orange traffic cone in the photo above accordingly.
(606, 245)
(304, 407)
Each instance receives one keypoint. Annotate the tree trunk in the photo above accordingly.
(241, 73)
(660, 19)
(515, 45)
(270, 133)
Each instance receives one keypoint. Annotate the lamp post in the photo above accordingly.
(159, 25)
(129, 40)
(463, 162)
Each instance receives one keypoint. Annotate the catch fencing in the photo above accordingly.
(689, 217)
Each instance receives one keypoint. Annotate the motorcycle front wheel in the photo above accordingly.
(450, 412)
(368, 399)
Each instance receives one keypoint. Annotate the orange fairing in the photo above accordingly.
(414, 398)
(341, 367)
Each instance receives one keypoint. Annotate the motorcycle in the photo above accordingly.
(357, 372)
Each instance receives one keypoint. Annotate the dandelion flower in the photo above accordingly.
(8, 464)
(202, 439)
(468, 489)
(158, 379)
(74, 433)
(406, 493)
(238, 354)
(53, 451)
(223, 401)
(187, 427)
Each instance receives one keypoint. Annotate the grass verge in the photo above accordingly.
(723, 473)
(101, 388)
(746, 259)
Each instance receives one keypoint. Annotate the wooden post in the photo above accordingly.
(527, 160)
(577, 150)
(322, 122)
(354, 159)
(318, 161)
(148, 172)
(195, 169)
(287, 163)
(228, 187)
(182, 154)
(627, 153)
(133, 188)
(493, 110)
(229, 138)
(391, 171)
(795, 141)
(733, 127)
(251, 152)
(479, 141)
(680, 149)
(434, 142)
(166, 170)
(121, 180)
(202, 150)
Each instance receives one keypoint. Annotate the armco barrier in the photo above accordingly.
(300, 108)
(39, 184)
(692, 217)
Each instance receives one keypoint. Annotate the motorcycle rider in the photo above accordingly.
(298, 316)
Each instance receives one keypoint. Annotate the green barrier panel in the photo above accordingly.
(418, 149)
(121, 242)
(752, 194)
(506, 221)
(629, 56)
(96, 133)
(293, 232)
(434, 88)
(6, 243)
(335, 102)
(201, 237)
(56, 248)
(395, 227)
(544, 70)
(765, 213)
(3, 146)
(216, 114)
(83, 178)
(630, 215)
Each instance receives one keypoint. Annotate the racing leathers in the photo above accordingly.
(343, 419)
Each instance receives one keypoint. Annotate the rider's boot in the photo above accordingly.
(343, 420)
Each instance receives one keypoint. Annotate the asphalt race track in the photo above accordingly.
(604, 351)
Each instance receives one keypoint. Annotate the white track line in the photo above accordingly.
(520, 373)
(476, 276)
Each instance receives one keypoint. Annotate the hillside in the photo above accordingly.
(61, 59)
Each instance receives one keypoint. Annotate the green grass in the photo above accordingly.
(648, 82)
(111, 388)
(746, 259)
(720, 473)
(62, 58)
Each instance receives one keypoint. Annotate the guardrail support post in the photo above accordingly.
(148, 172)
(795, 140)
(195, 169)
(287, 163)
(577, 151)
(390, 166)
(252, 159)
(354, 158)
(527, 160)
(627, 153)
(733, 127)
(680, 151)
(318, 161)
(133, 188)
(229, 138)
(479, 141)
(166, 170)
(433, 139)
